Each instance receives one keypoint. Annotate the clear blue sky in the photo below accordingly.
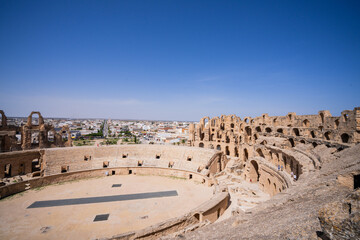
(178, 59)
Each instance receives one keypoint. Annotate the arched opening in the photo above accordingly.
(260, 153)
(35, 119)
(345, 138)
(302, 141)
(202, 135)
(314, 144)
(201, 145)
(212, 137)
(236, 152)
(328, 136)
(248, 134)
(296, 132)
(218, 147)
(222, 126)
(232, 125)
(268, 130)
(246, 120)
(248, 131)
(285, 161)
(306, 123)
(346, 117)
(292, 143)
(275, 122)
(7, 170)
(289, 117)
(227, 151)
(227, 139)
(258, 129)
(213, 122)
(337, 122)
(246, 154)
(312, 133)
(51, 136)
(206, 122)
(34, 138)
(254, 171)
(255, 136)
(322, 118)
(280, 130)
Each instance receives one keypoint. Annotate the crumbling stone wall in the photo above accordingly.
(274, 140)
(341, 219)
(32, 135)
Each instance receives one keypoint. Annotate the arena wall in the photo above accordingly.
(67, 164)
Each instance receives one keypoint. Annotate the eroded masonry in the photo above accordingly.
(264, 145)
(34, 134)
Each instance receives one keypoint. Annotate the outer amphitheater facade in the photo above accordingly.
(264, 145)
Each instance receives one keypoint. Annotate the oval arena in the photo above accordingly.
(139, 189)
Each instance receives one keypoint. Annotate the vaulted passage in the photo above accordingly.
(254, 171)
(345, 138)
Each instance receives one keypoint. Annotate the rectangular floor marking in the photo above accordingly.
(101, 217)
(114, 198)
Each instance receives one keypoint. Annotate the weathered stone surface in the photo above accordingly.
(341, 219)
(33, 136)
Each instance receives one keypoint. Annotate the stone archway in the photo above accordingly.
(254, 171)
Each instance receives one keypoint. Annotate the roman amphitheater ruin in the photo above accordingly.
(284, 177)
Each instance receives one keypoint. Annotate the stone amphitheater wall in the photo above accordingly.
(75, 159)
(19, 162)
(87, 162)
(266, 147)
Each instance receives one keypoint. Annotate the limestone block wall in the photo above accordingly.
(19, 163)
(80, 158)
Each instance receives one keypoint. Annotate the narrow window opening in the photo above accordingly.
(356, 181)
(7, 170)
(105, 164)
(64, 169)
(190, 176)
(113, 172)
(130, 171)
(140, 163)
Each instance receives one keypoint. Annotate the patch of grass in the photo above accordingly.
(83, 142)
(39, 188)
(172, 177)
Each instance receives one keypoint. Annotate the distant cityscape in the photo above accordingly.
(89, 132)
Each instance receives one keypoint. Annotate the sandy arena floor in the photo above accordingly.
(17, 221)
